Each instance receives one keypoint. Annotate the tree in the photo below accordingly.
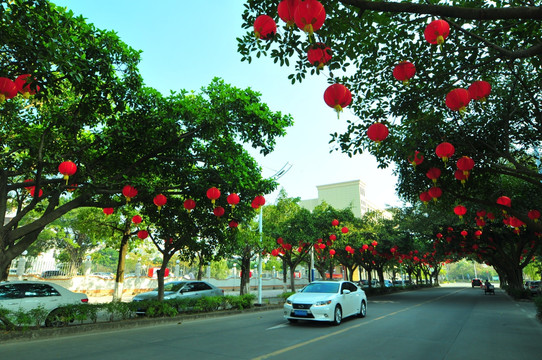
(92, 109)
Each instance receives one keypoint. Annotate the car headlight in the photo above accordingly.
(288, 301)
(322, 303)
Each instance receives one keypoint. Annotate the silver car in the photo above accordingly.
(28, 295)
(326, 301)
(182, 290)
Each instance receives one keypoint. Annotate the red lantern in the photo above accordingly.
(189, 204)
(258, 202)
(129, 192)
(218, 211)
(233, 199)
(142, 234)
(8, 89)
(348, 248)
(460, 176)
(377, 132)
(433, 174)
(465, 164)
(435, 193)
(505, 201)
(365, 247)
(67, 168)
(344, 230)
(444, 151)
(331, 252)
(425, 197)
(108, 211)
(23, 86)
(322, 246)
(332, 237)
(404, 71)
(481, 213)
(137, 219)
(213, 194)
(309, 16)
(416, 160)
(32, 190)
(460, 210)
(478, 233)
(338, 97)
(464, 233)
(334, 222)
(374, 243)
(280, 241)
(534, 215)
(479, 90)
(160, 200)
(233, 224)
(319, 54)
(286, 10)
(458, 99)
(265, 27)
(275, 252)
(436, 32)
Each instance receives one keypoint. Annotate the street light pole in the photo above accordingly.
(260, 259)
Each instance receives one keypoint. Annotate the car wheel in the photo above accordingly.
(363, 309)
(293, 321)
(56, 318)
(338, 315)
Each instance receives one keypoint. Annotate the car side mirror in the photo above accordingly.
(346, 291)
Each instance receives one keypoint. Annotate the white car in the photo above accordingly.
(326, 301)
(28, 295)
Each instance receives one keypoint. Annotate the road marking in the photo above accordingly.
(278, 326)
(338, 332)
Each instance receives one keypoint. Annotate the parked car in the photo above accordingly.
(52, 273)
(104, 275)
(182, 290)
(476, 282)
(532, 286)
(28, 295)
(326, 301)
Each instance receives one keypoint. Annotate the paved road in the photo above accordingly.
(443, 323)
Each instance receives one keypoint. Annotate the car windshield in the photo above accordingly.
(322, 288)
(173, 286)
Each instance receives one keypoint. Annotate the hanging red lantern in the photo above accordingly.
(425, 197)
(286, 10)
(8, 89)
(433, 174)
(213, 194)
(319, 54)
(479, 90)
(233, 224)
(108, 211)
(435, 193)
(189, 204)
(444, 151)
(280, 241)
(142, 234)
(344, 230)
(460, 210)
(219, 211)
(417, 159)
(439, 235)
(275, 252)
(32, 190)
(464, 233)
(458, 99)
(478, 233)
(534, 215)
(436, 32)
(160, 200)
(129, 192)
(460, 176)
(374, 243)
(404, 71)
(265, 27)
(505, 201)
(338, 97)
(348, 248)
(465, 164)
(332, 237)
(67, 168)
(481, 213)
(309, 16)
(331, 252)
(258, 202)
(137, 219)
(377, 132)
(364, 247)
(23, 86)
(334, 222)
(233, 199)
(480, 222)
(322, 246)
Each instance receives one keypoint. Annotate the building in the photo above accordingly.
(349, 194)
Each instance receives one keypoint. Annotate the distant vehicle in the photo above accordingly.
(476, 282)
(28, 295)
(532, 286)
(104, 275)
(401, 282)
(52, 273)
(326, 301)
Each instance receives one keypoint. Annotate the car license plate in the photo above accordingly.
(300, 312)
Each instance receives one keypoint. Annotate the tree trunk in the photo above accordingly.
(165, 260)
(121, 265)
(245, 276)
(292, 279)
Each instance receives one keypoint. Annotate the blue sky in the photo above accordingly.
(186, 43)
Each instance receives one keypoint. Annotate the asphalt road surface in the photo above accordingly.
(441, 323)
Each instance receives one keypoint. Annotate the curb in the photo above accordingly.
(46, 333)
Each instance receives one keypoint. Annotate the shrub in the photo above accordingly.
(519, 294)
(38, 315)
(22, 318)
(538, 304)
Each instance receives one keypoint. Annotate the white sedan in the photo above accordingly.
(28, 295)
(326, 301)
